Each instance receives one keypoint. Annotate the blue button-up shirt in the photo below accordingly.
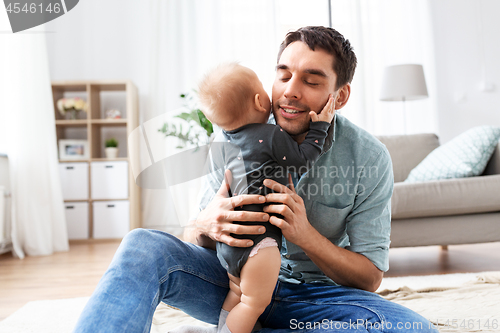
(347, 196)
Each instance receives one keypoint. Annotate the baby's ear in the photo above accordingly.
(258, 103)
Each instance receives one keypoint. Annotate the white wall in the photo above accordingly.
(102, 40)
(467, 51)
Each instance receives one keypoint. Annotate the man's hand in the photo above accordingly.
(327, 113)
(295, 225)
(342, 266)
(214, 223)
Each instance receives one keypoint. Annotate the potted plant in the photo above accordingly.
(111, 149)
(197, 129)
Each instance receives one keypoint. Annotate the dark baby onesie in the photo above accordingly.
(256, 152)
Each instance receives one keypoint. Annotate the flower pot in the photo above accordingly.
(111, 152)
(72, 114)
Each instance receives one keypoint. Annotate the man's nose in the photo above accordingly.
(292, 90)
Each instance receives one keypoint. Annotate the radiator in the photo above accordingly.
(5, 206)
(5, 225)
(3, 232)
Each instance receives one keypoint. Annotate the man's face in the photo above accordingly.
(304, 79)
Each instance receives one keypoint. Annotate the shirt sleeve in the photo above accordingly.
(213, 171)
(221, 156)
(288, 153)
(369, 223)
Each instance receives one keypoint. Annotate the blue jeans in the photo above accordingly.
(151, 266)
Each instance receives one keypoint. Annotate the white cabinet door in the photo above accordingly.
(109, 180)
(3, 220)
(77, 219)
(111, 219)
(74, 180)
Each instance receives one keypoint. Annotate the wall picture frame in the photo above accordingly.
(73, 150)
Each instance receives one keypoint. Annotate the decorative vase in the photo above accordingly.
(73, 113)
(111, 152)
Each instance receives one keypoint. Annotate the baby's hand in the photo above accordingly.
(326, 114)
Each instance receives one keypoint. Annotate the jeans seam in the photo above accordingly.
(189, 271)
(274, 304)
(155, 299)
(153, 309)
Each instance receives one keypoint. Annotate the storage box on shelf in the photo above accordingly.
(110, 219)
(102, 188)
(74, 180)
(109, 180)
(77, 219)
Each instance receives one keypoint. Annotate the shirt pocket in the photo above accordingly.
(329, 221)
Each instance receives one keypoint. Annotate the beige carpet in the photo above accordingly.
(472, 300)
(473, 306)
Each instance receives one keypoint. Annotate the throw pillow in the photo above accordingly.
(464, 156)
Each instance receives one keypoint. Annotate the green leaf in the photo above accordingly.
(111, 143)
(184, 116)
(193, 115)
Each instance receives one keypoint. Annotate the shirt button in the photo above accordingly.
(287, 256)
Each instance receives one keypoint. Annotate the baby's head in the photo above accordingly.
(232, 96)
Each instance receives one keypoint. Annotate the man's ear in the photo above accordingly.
(342, 96)
(258, 103)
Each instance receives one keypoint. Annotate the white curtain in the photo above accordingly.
(27, 135)
(385, 33)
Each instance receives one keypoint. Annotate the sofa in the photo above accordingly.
(441, 212)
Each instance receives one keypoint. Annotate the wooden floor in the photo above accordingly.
(77, 272)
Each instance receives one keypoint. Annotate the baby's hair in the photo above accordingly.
(227, 89)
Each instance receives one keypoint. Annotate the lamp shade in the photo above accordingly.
(403, 83)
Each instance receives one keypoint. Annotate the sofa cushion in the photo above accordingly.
(407, 151)
(464, 156)
(493, 167)
(446, 197)
(446, 230)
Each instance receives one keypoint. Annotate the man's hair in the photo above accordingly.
(226, 88)
(331, 41)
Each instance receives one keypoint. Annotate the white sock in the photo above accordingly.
(194, 329)
(222, 322)
(224, 329)
(222, 319)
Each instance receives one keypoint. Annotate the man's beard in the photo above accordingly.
(298, 128)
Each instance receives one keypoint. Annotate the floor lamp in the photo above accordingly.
(403, 83)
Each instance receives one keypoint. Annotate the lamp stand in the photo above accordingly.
(404, 115)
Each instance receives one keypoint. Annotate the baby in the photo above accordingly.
(234, 99)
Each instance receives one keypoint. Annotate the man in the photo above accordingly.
(336, 224)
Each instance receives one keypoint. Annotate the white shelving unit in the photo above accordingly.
(101, 198)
